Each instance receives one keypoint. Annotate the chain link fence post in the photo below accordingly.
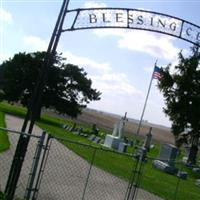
(88, 175)
(44, 158)
(33, 173)
(135, 180)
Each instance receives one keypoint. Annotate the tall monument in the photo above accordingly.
(115, 140)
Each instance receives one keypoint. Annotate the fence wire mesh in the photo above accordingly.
(69, 175)
(171, 185)
(75, 171)
(6, 158)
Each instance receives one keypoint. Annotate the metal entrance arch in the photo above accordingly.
(92, 18)
(126, 18)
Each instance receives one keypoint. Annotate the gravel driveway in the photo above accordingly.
(65, 175)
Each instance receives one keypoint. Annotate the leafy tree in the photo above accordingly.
(67, 88)
(181, 91)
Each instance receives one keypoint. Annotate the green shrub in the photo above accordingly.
(2, 196)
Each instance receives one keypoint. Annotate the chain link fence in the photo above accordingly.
(7, 156)
(58, 169)
(77, 177)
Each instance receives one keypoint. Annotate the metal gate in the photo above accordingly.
(72, 170)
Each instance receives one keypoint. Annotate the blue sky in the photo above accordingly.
(119, 61)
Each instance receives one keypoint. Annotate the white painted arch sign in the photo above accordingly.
(91, 18)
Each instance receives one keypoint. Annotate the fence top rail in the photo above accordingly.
(90, 145)
(19, 132)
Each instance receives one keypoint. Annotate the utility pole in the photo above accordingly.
(34, 106)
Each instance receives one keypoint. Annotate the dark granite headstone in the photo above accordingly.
(147, 140)
(196, 170)
(122, 147)
(94, 130)
(168, 154)
(97, 140)
(166, 160)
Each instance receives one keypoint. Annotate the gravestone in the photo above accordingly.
(119, 127)
(113, 141)
(91, 137)
(122, 147)
(147, 140)
(166, 160)
(97, 140)
(73, 128)
(67, 127)
(142, 150)
(197, 182)
(168, 154)
(63, 126)
(83, 134)
(196, 170)
(77, 131)
(95, 130)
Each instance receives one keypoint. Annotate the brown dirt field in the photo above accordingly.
(106, 122)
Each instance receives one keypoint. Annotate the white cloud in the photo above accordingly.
(161, 47)
(102, 75)
(5, 16)
(93, 4)
(116, 83)
(87, 63)
(158, 46)
(35, 43)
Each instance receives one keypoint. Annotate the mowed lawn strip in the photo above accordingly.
(4, 140)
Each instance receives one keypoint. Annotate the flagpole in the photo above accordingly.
(145, 104)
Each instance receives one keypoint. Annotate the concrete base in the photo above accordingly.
(112, 142)
(164, 167)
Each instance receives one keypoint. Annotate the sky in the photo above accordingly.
(119, 61)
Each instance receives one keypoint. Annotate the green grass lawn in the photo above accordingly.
(4, 141)
(155, 181)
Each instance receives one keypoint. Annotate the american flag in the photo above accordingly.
(156, 73)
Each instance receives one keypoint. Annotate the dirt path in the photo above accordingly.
(65, 173)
